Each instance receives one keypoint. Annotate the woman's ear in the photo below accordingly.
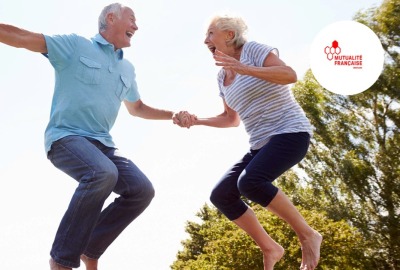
(231, 35)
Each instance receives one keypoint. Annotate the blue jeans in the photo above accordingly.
(99, 170)
(252, 176)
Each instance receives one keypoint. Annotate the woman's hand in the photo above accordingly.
(229, 62)
(184, 119)
(273, 70)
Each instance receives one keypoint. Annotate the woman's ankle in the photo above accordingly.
(90, 263)
(272, 256)
(56, 266)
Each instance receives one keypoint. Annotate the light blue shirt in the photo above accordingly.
(91, 81)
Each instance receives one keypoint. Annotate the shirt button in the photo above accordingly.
(110, 68)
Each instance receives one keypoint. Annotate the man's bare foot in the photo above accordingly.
(56, 266)
(310, 249)
(271, 257)
(91, 264)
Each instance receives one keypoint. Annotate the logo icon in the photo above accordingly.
(330, 51)
(346, 58)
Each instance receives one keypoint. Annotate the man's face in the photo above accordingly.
(122, 29)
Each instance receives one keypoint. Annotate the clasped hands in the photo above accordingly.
(184, 119)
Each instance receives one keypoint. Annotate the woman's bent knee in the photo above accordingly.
(215, 197)
(246, 186)
(261, 192)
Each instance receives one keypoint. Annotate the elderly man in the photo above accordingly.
(91, 80)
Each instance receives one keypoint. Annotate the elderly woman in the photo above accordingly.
(253, 84)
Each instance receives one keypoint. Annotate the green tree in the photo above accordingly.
(218, 244)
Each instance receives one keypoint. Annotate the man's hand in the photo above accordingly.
(184, 119)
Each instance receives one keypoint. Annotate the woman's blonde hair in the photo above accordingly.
(231, 23)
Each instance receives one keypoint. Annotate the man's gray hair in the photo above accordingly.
(115, 8)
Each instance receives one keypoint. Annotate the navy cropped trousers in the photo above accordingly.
(252, 176)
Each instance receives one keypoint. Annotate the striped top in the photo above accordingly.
(265, 108)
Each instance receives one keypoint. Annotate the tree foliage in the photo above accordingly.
(218, 244)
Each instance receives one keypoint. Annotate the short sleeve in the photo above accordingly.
(257, 52)
(133, 93)
(60, 49)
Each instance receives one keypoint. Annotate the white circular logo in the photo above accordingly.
(346, 57)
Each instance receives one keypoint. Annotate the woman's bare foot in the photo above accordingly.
(91, 264)
(56, 266)
(310, 249)
(271, 257)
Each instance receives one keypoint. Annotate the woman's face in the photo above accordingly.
(216, 39)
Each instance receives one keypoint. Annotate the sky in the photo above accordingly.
(174, 71)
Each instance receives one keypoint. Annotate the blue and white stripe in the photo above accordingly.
(265, 108)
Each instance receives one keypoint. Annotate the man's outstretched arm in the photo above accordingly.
(21, 38)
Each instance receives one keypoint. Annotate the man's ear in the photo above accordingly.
(110, 18)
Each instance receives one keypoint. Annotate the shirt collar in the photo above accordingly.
(101, 40)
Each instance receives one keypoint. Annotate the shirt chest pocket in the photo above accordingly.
(88, 71)
(123, 86)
